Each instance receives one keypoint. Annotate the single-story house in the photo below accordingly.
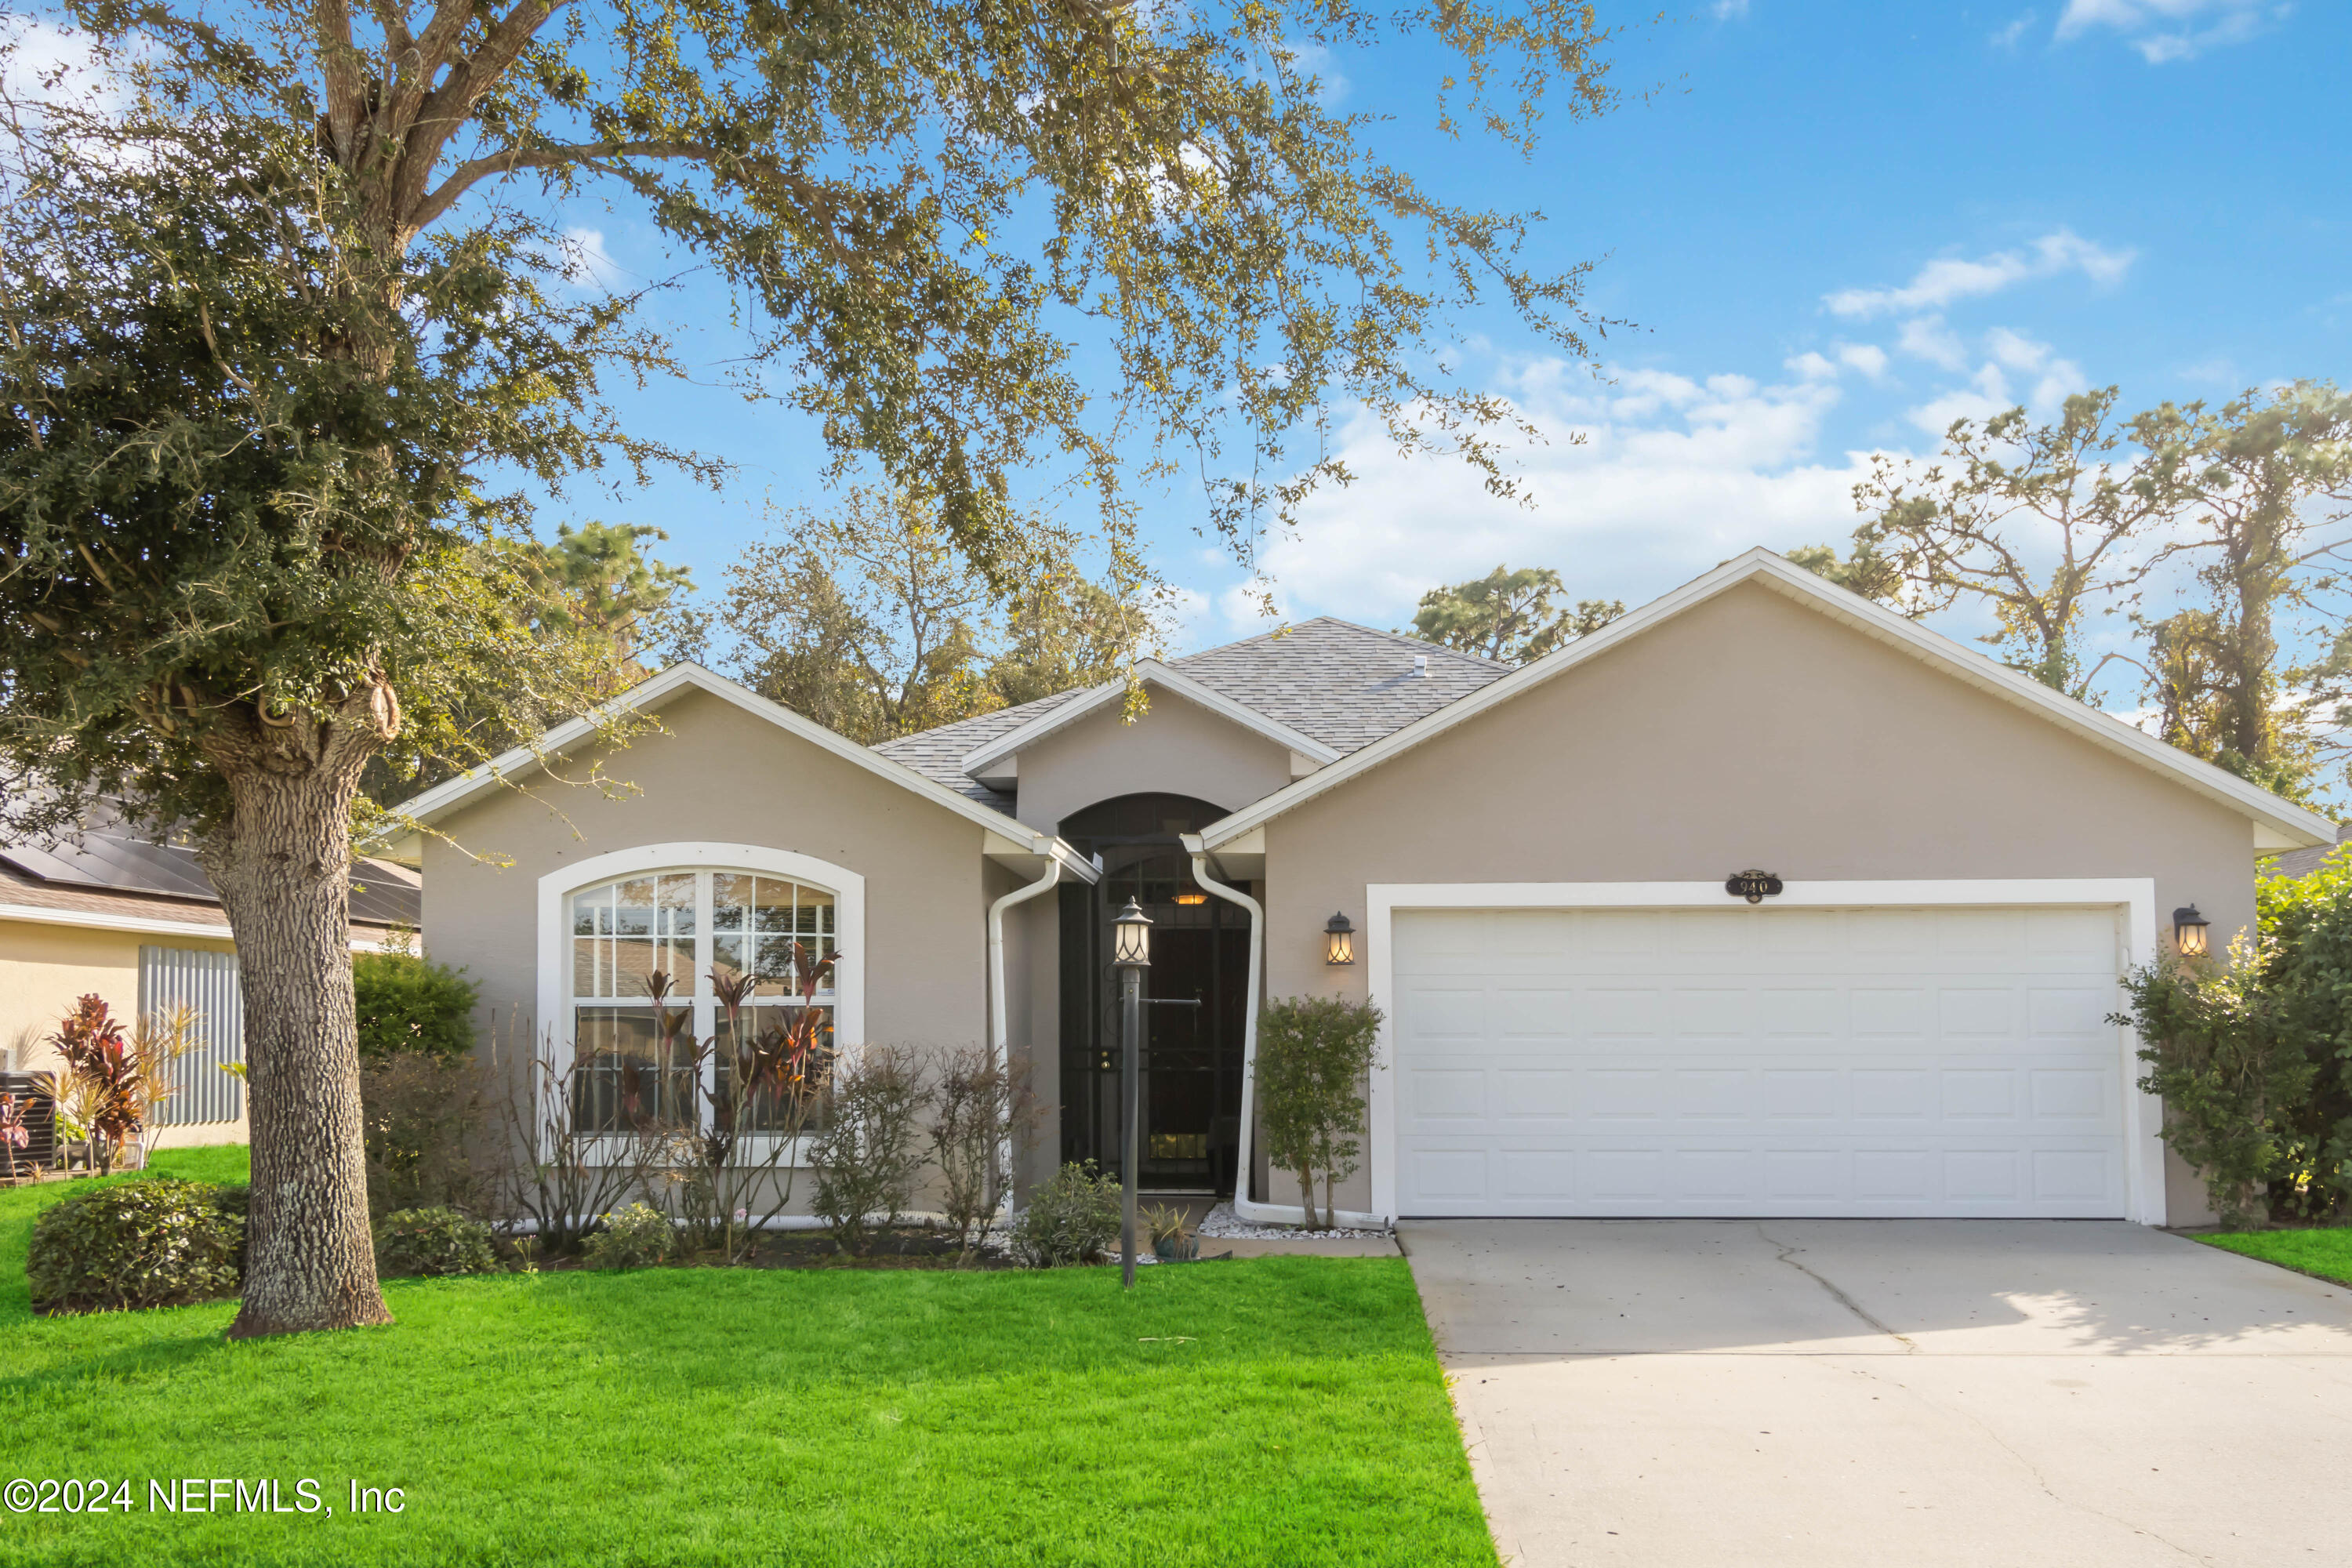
(1762, 900)
(138, 923)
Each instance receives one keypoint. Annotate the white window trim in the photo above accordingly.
(556, 888)
(2134, 898)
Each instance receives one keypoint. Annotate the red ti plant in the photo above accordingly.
(107, 1066)
(13, 1134)
(747, 1099)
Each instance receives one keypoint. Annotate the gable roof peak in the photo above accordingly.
(2292, 825)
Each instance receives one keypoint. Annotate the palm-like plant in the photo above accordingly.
(105, 1064)
(735, 1130)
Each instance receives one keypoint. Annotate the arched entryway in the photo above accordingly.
(1200, 952)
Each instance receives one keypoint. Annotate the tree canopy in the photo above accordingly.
(291, 344)
(1510, 616)
(862, 616)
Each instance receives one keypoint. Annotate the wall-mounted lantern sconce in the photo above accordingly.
(1339, 940)
(2189, 931)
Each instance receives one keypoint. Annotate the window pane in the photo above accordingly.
(731, 896)
(623, 1077)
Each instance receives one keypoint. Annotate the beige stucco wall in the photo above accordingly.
(1176, 747)
(721, 774)
(1749, 731)
(46, 969)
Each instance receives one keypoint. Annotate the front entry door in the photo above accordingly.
(1191, 1055)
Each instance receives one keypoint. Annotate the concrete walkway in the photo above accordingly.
(1891, 1393)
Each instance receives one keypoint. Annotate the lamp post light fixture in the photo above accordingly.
(2189, 931)
(1130, 955)
(1338, 940)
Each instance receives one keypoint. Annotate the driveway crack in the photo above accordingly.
(2030, 1468)
(1788, 1256)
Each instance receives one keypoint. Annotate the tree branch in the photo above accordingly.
(464, 176)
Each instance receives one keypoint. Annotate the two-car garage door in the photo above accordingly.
(1946, 1062)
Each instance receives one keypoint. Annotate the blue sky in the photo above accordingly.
(1834, 228)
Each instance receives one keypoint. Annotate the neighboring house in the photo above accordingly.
(138, 923)
(1582, 1018)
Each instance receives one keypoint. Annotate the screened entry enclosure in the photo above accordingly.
(690, 926)
(1192, 1089)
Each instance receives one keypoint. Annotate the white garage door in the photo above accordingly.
(1758, 1061)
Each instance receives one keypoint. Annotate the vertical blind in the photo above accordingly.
(206, 984)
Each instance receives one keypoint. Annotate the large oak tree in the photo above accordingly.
(283, 307)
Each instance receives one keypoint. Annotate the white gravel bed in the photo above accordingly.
(1220, 1224)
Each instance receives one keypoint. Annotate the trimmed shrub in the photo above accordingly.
(1073, 1218)
(411, 1004)
(158, 1242)
(2253, 1058)
(637, 1236)
(430, 1243)
(424, 1141)
(868, 1157)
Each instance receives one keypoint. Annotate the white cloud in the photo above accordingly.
(1867, 358)
(1927, 338)
(2008, 37)
(1728, 10)
(45, 63)
(586, 262)
(1951, 278)
(1990, 389)
(1812, 366)
(1673, 474)
(2167, 30)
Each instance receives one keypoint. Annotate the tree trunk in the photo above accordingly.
(282, 866)
(1306, 1195)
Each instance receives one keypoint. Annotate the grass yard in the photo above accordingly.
(1281, 1411)
(2326, 1253)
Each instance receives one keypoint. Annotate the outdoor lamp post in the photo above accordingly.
(2189, 931)
(1338, 940)
(1130, 955)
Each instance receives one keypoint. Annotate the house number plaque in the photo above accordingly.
(1754, 886)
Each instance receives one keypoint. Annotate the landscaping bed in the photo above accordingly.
(1272, 1411)
(2324, 1252)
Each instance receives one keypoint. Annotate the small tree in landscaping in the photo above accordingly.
(982, 1112)
(1312, 1054)
(868, 1155)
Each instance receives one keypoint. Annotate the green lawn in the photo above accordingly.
(1279, 1411)
(2326, 1253)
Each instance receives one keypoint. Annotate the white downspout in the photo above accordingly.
(1000, 1027)
(1243, 1208)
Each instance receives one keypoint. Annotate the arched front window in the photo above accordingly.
(688, 925)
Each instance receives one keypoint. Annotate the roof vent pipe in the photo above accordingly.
(1421, 667)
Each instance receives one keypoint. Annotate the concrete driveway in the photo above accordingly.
(1891, 1393)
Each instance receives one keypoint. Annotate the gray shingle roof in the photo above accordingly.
(2303, 862)
(1342, 684)
(939, 753)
